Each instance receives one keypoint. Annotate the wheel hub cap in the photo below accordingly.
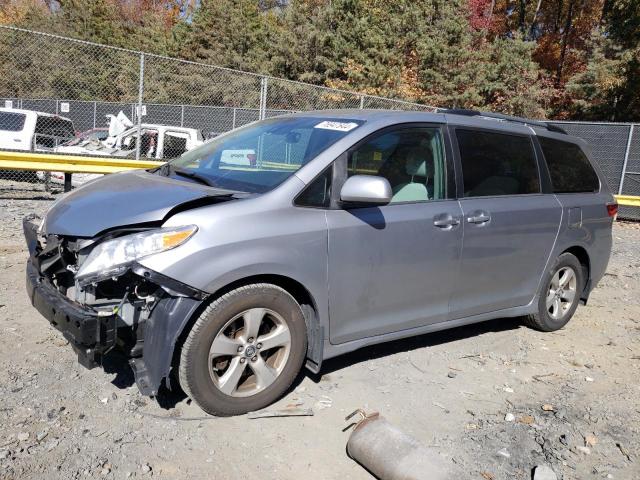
(250, 351)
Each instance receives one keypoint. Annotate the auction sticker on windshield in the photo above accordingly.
(340, 126)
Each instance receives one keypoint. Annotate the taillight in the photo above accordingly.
(612, 209)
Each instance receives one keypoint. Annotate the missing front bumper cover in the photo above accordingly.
(90, 335)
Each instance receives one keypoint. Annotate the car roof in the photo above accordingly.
(161, 126)
(32, 112)
(468, 118)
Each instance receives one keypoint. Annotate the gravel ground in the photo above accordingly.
(497, 399)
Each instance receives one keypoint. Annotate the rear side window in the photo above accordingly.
(569, 167)
(12, 122)
(497, 164)
(54, 126)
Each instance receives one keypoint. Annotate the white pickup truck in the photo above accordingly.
(157, 142)
(33, 131)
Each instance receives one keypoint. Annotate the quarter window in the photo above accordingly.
(318, 193)
(412, 159)
(497, 164)
(569, 167)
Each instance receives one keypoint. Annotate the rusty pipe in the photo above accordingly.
(390, 454)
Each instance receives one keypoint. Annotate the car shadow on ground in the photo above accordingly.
(413, 343)
(116, 363)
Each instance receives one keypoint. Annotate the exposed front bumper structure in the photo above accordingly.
(90, 335)
(151, 335)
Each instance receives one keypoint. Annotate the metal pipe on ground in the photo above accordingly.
(390, 454)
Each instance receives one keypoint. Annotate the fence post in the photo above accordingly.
(626, 158)
(95, 112)
(233, 123)
(361, 102)
(140, 97)
(182, 115)
(263, 99)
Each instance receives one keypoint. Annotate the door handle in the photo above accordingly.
(445, 221)
(479, 217)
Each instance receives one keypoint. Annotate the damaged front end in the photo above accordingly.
(101, 299)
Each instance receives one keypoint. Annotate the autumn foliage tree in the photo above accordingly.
(561, 59)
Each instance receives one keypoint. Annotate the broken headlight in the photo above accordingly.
(113, 257)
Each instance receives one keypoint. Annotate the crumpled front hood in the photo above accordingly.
(120, 199)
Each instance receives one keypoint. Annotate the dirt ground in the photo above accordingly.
(497, 399)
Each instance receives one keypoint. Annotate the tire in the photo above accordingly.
(553, 316)
(249, 326)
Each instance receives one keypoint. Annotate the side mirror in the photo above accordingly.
(366, 191)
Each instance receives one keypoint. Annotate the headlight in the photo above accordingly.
(114, 256)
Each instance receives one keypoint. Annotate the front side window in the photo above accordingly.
(412, 159)
(148, 142)
(258, 157)
(569, 167)
(497, 164)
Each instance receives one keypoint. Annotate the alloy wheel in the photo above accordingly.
(249, 352)
(562, 293)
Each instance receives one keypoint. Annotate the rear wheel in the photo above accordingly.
(559, 295)
(244, 351)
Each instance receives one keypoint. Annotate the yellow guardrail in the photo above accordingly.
(77, 164)
(69, 163)
(628, 200)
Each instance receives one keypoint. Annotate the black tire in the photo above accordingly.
(194, 372)
(542, 319)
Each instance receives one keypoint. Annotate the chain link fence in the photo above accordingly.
(61, 94)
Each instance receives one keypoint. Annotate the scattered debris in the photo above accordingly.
(509, 417)
(590, 440)
(286, 412)
(547, 407)
(544, 472)
(526, 419)
(623, 450)
(584, 450)
(503, 453)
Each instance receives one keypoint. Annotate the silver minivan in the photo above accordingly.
(341, 229)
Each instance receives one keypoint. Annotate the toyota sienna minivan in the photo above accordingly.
(348, 228)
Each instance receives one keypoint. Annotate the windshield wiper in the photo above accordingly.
(206, 181)
(193, 175)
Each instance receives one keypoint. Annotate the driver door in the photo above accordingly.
(393, 268)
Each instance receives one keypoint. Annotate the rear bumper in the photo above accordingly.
(89, 335)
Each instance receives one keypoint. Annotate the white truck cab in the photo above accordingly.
(158, 142)
(33, 131)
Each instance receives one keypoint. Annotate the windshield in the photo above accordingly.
(260, 156)
(12, 122)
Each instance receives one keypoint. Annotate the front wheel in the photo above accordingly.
(244, 351)
(559, 295)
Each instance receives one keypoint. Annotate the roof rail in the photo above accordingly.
(505, 118)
